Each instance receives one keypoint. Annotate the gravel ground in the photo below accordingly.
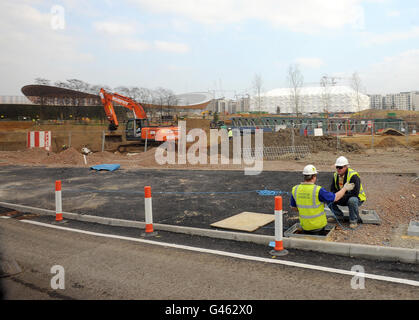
(387, 176)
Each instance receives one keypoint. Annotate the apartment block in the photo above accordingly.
(376, 101)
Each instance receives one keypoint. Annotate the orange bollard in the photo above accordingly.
(279, 246)
(58, 202)
(149, 231)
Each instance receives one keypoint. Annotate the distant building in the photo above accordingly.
(376, 101)
(312, 100)
(397, 101)
(415, 100)
(243, 104)
(389, 102)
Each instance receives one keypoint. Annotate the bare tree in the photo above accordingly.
(257, 87)
(61, 84)
(125, 91)
(144, 95)
(296, 81)
(78, 85)
(356, 85)
(42, 81)
(94, 89)
(326, 84)
(164, 97)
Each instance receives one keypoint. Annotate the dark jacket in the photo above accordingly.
(353, 193)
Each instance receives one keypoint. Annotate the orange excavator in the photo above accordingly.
(138, 128)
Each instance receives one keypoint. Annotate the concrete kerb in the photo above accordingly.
(345, 249)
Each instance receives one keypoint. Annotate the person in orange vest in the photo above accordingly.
(309, 199)
(354, 199)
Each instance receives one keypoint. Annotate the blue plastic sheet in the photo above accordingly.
(108, 167)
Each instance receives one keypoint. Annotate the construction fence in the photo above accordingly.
(328, 126)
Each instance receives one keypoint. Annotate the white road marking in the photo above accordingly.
(234, 255)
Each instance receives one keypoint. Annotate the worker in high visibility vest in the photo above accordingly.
(230, 134)
(309, 199)
(354, 199)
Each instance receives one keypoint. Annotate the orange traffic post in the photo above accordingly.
(279, 246)
(149, 231)
(58, 202)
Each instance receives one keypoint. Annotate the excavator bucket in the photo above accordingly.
(113, 137)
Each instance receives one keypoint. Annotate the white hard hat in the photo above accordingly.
(309, 170)
(341, 161)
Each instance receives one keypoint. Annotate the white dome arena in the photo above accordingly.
(312, 100)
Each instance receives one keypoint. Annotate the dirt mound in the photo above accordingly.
(69, 156)
(30, 156)
(389, 142)
(415, 144)
(35, 153)
(391, 132)
(316, 144)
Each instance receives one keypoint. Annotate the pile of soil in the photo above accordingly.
(68, 156)
(391, 132)
(33, 155)
(283, 138)
(389, 142)
(102, 157)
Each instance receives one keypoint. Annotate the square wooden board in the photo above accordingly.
(245, 221)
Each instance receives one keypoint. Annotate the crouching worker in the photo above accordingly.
(309, 200)
(354, 199)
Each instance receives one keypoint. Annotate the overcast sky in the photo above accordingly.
(201, 45)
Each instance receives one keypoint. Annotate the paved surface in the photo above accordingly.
(194, 198)
(103, 268)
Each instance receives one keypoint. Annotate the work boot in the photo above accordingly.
(353, 225)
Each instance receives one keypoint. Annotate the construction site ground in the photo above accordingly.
(388, 173)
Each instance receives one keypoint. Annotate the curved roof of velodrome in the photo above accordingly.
(193, 100)
(35, 90)
(310, 91)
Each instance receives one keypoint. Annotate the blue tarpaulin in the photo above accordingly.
(109, 167)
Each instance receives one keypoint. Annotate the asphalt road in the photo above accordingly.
(193, 198)
(104, 268)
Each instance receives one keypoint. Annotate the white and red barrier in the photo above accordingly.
(149, 230)
(279, 246)
(58, 202)
(39, 139)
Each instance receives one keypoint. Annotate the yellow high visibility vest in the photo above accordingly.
(361, 195)
(230, 133)
(311, 211)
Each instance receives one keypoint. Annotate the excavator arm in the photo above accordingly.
(108, 98)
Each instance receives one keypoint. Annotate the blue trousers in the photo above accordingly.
(353, 204)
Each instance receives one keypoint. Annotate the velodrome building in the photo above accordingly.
(312, 100)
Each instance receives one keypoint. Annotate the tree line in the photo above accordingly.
(159, 96)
